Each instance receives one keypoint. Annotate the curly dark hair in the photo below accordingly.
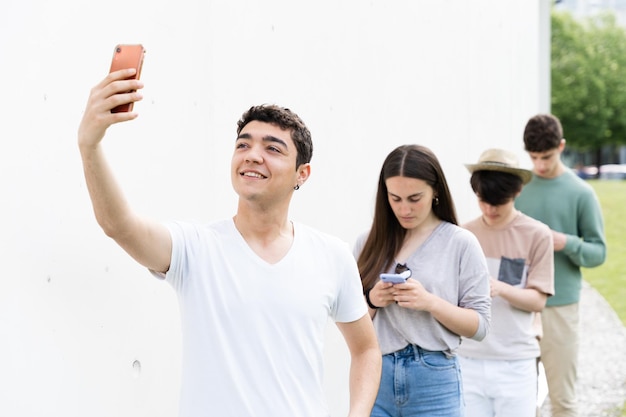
(542, 133)
(285, 119)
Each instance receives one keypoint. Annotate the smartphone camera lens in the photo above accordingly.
(118, 49)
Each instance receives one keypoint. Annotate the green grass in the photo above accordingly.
(609, 279)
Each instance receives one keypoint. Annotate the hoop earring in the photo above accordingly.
(297, 187)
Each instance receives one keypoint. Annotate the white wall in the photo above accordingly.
(75, 311)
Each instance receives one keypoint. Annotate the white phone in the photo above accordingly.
(396, 278)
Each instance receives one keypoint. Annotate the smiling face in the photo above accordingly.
(263, 167)
(411, 201)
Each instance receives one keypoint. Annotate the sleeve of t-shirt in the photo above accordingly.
(350, 304)
(175, 273)
(541, 264)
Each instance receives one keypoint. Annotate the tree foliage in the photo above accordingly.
(589, 79)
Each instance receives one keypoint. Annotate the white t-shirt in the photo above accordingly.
(253, 332)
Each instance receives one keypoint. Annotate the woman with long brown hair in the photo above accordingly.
(419, 323)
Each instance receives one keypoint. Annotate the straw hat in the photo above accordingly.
(500, 160)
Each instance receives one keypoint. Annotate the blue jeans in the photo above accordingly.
(418, 382)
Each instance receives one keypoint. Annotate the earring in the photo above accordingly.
(297, 187)
(436, 200)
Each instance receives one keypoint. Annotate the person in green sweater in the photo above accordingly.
(557, 197)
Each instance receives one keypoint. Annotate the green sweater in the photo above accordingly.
(567, 204)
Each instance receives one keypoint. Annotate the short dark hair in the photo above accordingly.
(495, 187)
(543, 132)
(285, 119)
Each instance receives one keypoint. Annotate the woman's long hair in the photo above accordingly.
(387, 235)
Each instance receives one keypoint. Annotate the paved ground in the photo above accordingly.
(602, 369)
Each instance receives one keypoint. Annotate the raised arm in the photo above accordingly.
(148, 242)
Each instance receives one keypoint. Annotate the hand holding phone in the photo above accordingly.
(396, 278)
(127, 56)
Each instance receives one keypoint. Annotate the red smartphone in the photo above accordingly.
(127, 56)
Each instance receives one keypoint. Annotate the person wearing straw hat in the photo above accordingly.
(557, 197)
(500, 372)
